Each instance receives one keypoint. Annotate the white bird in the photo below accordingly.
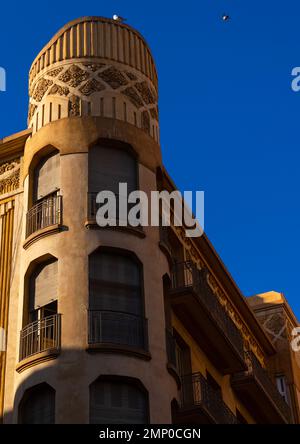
(118, 18)
(225, 17)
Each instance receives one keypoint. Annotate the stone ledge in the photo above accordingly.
(37, 358)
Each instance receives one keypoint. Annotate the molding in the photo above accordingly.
(119, 349)
(37, 235)
(92, 225)
(38, 358)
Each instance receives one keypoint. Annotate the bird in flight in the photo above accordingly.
(225, 17)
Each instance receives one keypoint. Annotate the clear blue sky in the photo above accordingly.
(229, 119)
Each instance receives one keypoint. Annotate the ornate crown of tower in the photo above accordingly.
(95, 67)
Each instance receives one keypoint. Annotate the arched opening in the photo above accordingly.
(41, 321)
(37, 405)
(111, 163)
(45, 207)
(116, 299)
(117, 400)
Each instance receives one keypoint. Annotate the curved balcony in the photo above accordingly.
(40, 339)
(117, 331)
(44, 214)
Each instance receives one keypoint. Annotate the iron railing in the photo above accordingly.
(118, 328)
(187, 275)
(197, 392)
(261, 375)
(40, 336)
(43, 214)
(120, 219)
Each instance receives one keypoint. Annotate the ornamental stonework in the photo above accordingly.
(74, 76)
(74, 106)
(79, 82)
(41, 89)
(59, 90)
(9, 176)
(91, 86)
(133, 97)
(113, 77)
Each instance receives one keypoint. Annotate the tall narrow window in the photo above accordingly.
(116, 300)
(114, 402)
(282, 387)
(41, 321)
(110, 166)
(45, 210)
(38, 405)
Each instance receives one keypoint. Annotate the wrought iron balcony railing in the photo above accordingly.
(120, 218)
(262, 377)
(186, 275)
(197, 392)
(43, 214)
(118, 328)
(40, 336)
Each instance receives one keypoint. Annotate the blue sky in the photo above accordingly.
(229, 118)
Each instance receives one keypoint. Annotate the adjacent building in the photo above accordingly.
(119, 324)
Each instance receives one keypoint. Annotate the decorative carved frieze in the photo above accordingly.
(113, 77)
(91, 86)
(133, 97)
(74, 106)
(41, 89)
(59, 90)
(9, 176)
(147, 95)
(74, 76)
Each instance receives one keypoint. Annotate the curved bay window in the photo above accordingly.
(109, 165)
(46, 206)
(116, 300)
(41, 331)
(118, 402)
(37, 405)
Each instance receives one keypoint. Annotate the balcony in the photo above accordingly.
(117, 331)
(45, 214)
(199, 310)
(41, 337)
(201, 404)
(258, 392)
(119, 223)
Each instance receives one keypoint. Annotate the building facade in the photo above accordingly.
(116, 324)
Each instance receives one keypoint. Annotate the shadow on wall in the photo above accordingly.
(63, 393)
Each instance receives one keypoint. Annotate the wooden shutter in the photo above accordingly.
(117, 403)
(108, 167)
(44, 285)
(38, 407)
(46, 176)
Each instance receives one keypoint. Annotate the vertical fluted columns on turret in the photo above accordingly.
(95, 67)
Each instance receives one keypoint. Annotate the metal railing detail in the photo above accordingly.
(113, 327)
(196, 391)
(40, 336)
(43, 214)
(187, 275)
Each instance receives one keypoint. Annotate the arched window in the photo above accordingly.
(45, 209)
(38, 405)
(41, 322)
(43, 291)
(117, 402)
(46, 177)
(110, 165)
(116, 300)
